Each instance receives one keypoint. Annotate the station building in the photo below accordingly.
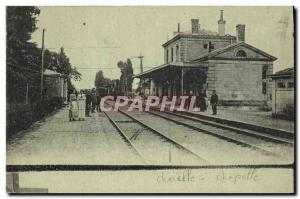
(205, 60)
(56, 85)
(283, 94)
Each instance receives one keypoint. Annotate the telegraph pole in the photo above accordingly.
(42, 71)
(181, 81)
(141, 67)
(141, 62)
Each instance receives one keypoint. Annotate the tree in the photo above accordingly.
(21, 56)
(101, 81)
(129, 74)
(126, 75)
(23, 60)
(65, 67)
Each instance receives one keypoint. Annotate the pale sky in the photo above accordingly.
(136, 30)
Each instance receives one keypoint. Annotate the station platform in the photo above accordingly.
(249, 118)
(257, 118)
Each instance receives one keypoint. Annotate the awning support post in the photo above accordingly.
(181, 81)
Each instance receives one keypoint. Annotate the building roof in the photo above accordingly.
(288, 72)
(151, 70)
(52, 73)
(285, 71)
(206, 56)
(202, 34)
(218, 51)
(164, 66)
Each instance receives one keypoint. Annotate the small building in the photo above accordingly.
(283, 93)
(203, 60)
(56, 85)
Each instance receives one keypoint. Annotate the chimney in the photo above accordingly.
(195, 26)
(178, 30)
(240, 32)
(221, 24)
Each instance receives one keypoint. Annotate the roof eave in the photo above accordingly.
(171, 40)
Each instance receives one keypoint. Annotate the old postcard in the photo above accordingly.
(150, 99)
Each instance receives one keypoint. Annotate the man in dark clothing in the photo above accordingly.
(88, 103)
(202, 102)
(214, 102)
(98, 103)
(94, 100)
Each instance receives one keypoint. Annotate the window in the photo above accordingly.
(205, 46)
(210, 47)
(290, 84)
(241, 53)
(264, 72)
(172, 58)
(167, 56)
(264, 87)
(177, 53)
(281, 85)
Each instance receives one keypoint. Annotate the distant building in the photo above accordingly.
(205, 60)
(56, 85)
(283, 93)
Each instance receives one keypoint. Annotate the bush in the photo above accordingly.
(22, 116)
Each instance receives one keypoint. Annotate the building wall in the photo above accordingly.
(56, 87)
(239, 82)
(250, 53)
(195, 47)
(177, 55)
(283, 98)
(191, 48)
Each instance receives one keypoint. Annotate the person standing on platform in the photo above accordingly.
(88, 102)
(94, 100)
(98, 102)
(214, 101)
(202, 101)
(73, 111)
(81, 106)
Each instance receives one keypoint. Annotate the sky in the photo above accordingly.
(96, 38)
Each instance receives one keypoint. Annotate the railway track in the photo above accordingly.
(227, 133)
(126, 139)
(257, 134)
(265, 144)
(166, 143)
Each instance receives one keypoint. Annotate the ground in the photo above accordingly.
(95, 141)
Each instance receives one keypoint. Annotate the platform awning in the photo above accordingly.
(162, 68)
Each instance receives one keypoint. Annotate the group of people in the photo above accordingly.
(213, 102)
(84, 103)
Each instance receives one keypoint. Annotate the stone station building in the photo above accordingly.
(205, 60)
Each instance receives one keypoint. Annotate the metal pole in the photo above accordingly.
(141, 63)
(181, 82)
(42, 71)
(275, 98)
(149, 87)
(27, 89)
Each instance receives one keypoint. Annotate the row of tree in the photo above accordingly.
(101, 81)
(23, 66)
(23, 58)
(126, 76)
(123, 85)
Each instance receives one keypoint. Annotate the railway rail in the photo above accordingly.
(265, 136)
(238, 136)
(163, 138)
(225, 135)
